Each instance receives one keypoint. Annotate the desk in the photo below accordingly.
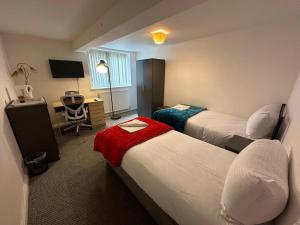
(95, 110)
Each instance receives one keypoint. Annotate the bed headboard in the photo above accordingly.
(276, 132)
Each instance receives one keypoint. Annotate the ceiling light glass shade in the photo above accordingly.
(102, 67)
(159, 36)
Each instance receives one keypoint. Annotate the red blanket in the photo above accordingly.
(114, 142)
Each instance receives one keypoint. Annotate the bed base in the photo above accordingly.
(160, 217)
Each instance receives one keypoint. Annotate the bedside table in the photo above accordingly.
(237, 143)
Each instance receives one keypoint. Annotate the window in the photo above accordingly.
(119, 67)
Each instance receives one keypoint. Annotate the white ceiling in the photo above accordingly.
(57, 19)
(129, 16)
(213, 17)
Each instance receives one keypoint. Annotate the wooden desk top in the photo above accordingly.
(58, 104)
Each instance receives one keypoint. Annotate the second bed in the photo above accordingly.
(218, 128)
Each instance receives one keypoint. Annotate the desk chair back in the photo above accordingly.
(71, 92)
(74, 107)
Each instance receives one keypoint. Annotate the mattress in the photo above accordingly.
(214, 127)
(182, 175)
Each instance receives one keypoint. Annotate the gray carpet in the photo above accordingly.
(80, 189)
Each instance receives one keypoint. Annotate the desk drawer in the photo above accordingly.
(97, 116)
(96, 106)
(96, 112)
(97, 121)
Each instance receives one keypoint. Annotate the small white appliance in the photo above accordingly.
(25, 90)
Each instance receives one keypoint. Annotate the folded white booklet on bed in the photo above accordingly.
(133, 125)
(181, 107)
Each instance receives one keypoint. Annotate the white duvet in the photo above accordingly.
(214, 127)
(184, 176)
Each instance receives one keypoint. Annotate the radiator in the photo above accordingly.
(120, 99)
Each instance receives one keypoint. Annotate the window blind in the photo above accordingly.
(119, 66)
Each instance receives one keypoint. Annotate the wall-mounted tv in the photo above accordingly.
(66, 69)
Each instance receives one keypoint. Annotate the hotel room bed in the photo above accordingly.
(218, 128)
(186, 178)
(182, 180)
(215, 128)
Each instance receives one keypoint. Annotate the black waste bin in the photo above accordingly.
(37, 163)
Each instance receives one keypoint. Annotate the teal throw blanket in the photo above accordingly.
(176, 118)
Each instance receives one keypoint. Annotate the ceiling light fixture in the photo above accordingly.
(159, 36)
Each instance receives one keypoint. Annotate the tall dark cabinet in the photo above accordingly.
(150, 85)
(33, 130)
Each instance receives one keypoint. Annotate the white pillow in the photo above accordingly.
(256, 186)
(262, 122)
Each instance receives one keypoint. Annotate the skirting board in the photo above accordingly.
(24, 203)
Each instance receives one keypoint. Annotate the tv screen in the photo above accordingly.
(66, 69)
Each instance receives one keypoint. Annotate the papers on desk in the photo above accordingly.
(133, 126)
(181, 107)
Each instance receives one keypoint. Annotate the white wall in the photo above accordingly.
(36, 52)
(234, 72)
(292, 140)
(13, 181)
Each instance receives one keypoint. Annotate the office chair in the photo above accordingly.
(75, 111)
